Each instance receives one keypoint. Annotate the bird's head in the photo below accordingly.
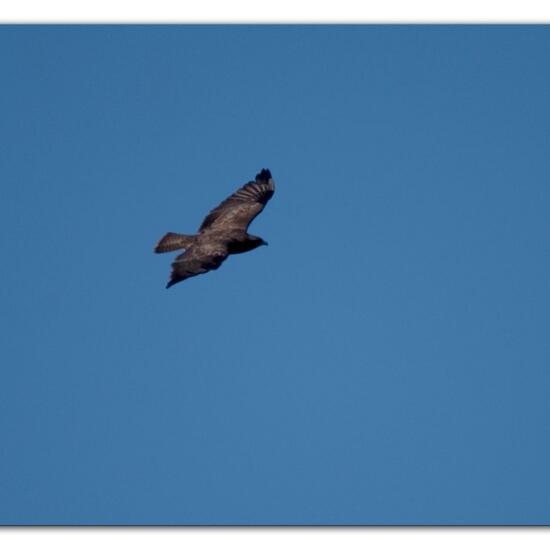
(256, 241)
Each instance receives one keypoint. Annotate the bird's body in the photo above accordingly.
(223, 231)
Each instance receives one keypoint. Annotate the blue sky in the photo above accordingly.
(385, 360)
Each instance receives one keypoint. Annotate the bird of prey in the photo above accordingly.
(223, 231)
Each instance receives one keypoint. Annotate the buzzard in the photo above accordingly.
(223, 231)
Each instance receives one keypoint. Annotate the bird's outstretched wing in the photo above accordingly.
(238, 210)
(196, 260)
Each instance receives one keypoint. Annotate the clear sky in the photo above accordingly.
(385, 360)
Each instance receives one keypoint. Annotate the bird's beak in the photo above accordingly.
(265, 243)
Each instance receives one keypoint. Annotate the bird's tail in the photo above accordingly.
(174, 241)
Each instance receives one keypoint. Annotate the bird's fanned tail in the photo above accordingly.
(174, 241)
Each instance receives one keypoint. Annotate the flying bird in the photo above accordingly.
(223, 231)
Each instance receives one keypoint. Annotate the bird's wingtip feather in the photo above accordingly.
(264, 175)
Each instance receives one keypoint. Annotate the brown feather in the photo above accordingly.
(195, 261)
(174, 241)
(240, 208)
